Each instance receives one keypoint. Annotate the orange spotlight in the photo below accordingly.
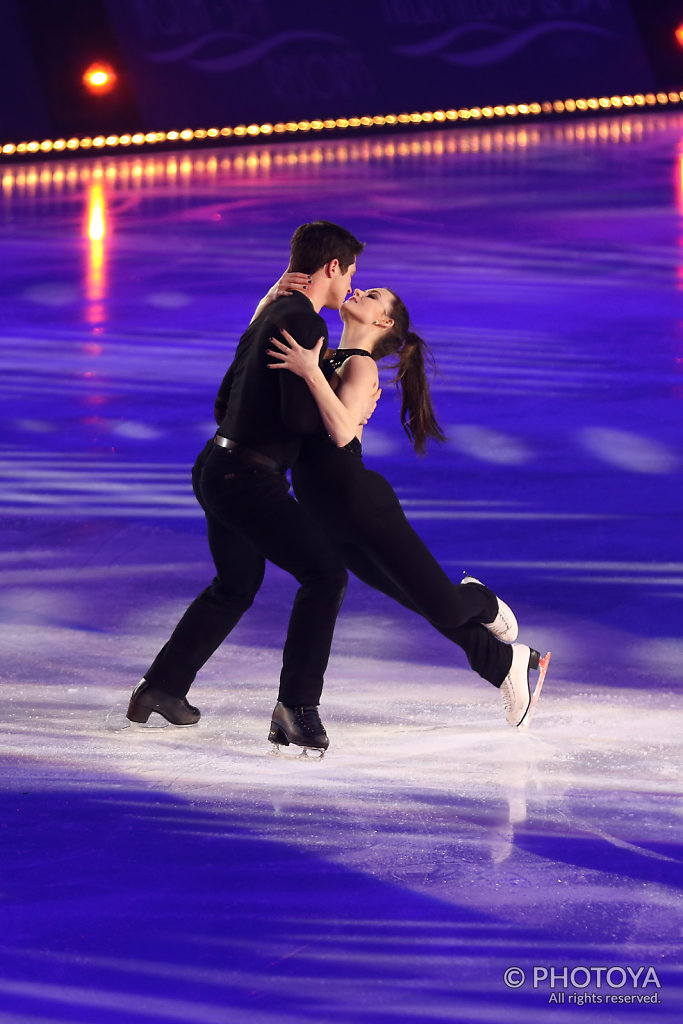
(679, 34)
(99, 78)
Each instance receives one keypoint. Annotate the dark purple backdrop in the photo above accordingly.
(192, 63)
(228, 61)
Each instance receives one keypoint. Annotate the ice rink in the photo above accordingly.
(437, 865)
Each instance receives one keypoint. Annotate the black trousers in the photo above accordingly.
(363, 515)
(251, 517)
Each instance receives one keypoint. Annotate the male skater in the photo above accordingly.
(239, 480)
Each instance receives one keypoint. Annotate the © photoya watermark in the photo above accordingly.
(567, 985)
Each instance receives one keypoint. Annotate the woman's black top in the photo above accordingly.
(329, 365)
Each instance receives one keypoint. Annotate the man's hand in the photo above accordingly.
(371, 406)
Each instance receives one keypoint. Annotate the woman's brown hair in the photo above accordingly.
(417, 412)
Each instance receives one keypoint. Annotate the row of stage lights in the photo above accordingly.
(140, 169)
(476, 114)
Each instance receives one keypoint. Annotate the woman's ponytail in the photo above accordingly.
(417, 413)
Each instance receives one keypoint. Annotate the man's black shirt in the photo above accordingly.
(269, 410)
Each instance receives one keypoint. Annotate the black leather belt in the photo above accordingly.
(249, 455)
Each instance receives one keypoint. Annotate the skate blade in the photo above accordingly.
(542, 669)
(316, 755)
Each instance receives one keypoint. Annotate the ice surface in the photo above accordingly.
(163, 874)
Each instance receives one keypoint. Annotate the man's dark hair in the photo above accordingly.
(315, 244)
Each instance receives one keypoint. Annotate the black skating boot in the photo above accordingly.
(145, 699)
(300, 726)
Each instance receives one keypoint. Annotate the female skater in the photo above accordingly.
(359, 508)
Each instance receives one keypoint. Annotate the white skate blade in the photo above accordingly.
(542, 669)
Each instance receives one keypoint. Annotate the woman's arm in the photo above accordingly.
(288, 283)
(345, 411)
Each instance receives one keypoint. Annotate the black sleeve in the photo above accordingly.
(221, 403)
(298, 409)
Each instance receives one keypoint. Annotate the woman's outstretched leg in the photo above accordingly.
(488, 657)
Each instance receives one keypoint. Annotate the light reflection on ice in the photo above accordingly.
(629, 451)
(488, 445)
